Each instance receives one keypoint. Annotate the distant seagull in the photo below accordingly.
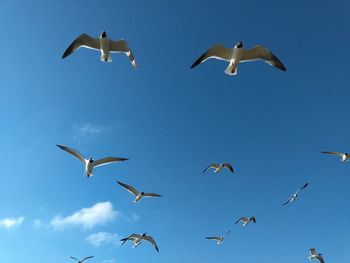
(237, 54)
(246, 221)
(90, 163)
(344, 157)
(218, 167)
(137, 239)
(219, 240)
(138, 195)
(295, 195)
(315, 255)
(81, 261)
(104, 44)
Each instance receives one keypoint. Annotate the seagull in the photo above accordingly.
(81, 261)
(103, 44)
(344, 157)
(238, 54)
(219, 240)
(138, 195)
(315, 255)
(90, 163)
(246, 221)
(218, 167)
(137, 239)
(295, 195)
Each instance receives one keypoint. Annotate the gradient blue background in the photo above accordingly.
(171, 122)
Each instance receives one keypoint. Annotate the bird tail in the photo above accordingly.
(106, 58)
(231, 69)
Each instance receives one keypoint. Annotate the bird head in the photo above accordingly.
(144, 234)
(142, 193)
(103, 34)
(239, 44)
(91, 160)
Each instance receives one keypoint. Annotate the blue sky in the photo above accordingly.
(172, 122)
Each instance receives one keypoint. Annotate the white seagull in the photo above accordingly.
(295, 195)
(219, 240)
(137, 239)
(246, 221)
(218, 167)
(90, 163)
(238, 54)
(138, 195)
(81, 261)
(344, 157)
(315, 255)
(103, 44)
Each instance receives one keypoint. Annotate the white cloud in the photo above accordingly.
(10, 223)
(96, 239)
(98, 214)
(88, 130)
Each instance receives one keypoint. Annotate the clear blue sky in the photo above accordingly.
(171, 122)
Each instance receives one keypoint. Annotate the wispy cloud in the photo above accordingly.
(10, 223)
(86, 130)
(96, 239)
(98, 214)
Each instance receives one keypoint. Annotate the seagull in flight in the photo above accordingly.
(219, 240)
(90, 163)
(103, 44)
(81, 261)
(137, 239)
(315, 255)
(344, 157)
(246, 221)
(138, 195)
(218, 167)
(238, 54)
(295, 195)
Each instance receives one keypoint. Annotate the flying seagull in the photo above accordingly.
(90, 163)
(219, 240)
(315, 255)
(295, 195)
(138, 195)
(344, 157)
(137, 239)
(81, 261)
(103, 44)
(218, 167)
(238, 54)
(246, 221)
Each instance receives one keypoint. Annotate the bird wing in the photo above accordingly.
(213, 238)
(87, 258)
(213, 165)
(129, 188)
(74, 258)
(73, 152)
(304, 186)
(108, 160)
(84, 40)
(259, 52)
(150, 239)
(151, 195)
(122, 46)
(313, 251)
(217, 51)
(252, 219)
(228, 166)
(242, 218)
(287, 201)
(334, 153)
(132, 236)
(320, 258)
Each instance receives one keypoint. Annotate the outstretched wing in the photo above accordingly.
(122, 46)
(334, 153)
(304, 186)
(213, 238)
(74, 258)
(150, 239)
(228, 166)
(217, 51)
(87, 258)
(260, 52)
(129, 237)
(73, 152)
(84, 40)
(213, 165)
(151, 195)
(287, 201)
(242, 218)
(129, 188)
(252, 219)
(108, 160)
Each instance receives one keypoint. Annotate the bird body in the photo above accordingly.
(90, 163)
(344, 157)
(246, 221)
(220, 239)
(217, 167)
(103, 44)
(238, 54)
(315, 255)
(136, 239)
(138, 195)
(81, 261)
(295, 195)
